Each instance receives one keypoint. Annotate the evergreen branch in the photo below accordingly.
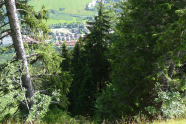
(7, 64)
(15, 112)
(3, 16)
(4, 25)
(34, 60)
(22, 89)
(8, 105)
(24, 5)
(29, 13)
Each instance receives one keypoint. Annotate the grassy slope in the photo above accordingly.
(71, 7)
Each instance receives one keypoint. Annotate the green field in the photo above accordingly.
(74, 7)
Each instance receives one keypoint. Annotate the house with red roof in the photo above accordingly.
(71, 44)
(57, 44)
(60, 42)
(73, 41)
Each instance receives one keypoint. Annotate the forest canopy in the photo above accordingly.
(131, 64)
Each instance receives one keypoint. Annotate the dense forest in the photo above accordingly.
(131, 66)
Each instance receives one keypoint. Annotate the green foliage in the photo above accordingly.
(148, 43)
(43, 61)
(65, 65)
(15, 97)
(107, 106)
(90, 66)
(56, 115)
(173, 105)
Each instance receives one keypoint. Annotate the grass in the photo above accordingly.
(69, 7)
(53, 21)
(171, 121)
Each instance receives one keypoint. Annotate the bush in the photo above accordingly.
(173, 106)
(58, 116)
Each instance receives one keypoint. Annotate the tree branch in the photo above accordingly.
(3, 16)
(54, 102)
(22, 20)
(2, 4)
(4, 25)
(7, 64)
(29, 13)
(4, 36)
(31, 55)
(5, 30)
(44, 75)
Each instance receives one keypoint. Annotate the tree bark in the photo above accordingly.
(19, 47)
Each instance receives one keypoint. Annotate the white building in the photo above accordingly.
(92, 4)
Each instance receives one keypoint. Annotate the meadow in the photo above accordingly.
(74, 7)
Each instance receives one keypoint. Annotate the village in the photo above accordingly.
(56, 37)
(70, 37)
(60, 33)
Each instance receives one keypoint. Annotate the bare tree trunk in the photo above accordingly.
(18, 45)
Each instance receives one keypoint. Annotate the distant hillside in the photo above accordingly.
(64, 10)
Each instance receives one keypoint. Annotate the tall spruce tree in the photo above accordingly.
(150, 41)
(90, 64)
(65, 65)
(96, 46)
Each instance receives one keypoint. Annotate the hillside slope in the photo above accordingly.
(64, 10)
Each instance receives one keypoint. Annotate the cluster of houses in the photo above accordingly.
(68, 43)
(69, 38)
(65, 36)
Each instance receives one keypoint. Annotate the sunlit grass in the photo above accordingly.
(171, 121)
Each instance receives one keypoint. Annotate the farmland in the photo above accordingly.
(62, 11)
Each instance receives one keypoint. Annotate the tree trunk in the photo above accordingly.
(18, 45)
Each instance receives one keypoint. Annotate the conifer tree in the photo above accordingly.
(150, 39)
(96, 46)
(65, 65)
(90, 65)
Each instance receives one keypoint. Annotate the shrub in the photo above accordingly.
(56, 115)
